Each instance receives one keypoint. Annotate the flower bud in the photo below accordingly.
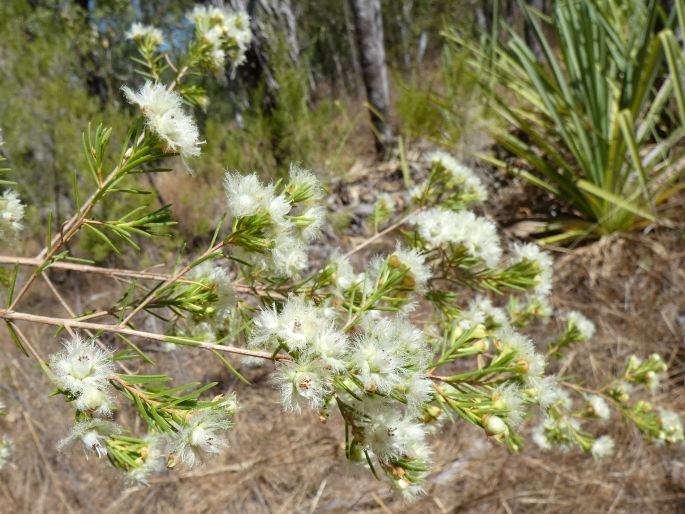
(431, 413)
(522, 365)
(494, 425)
(481, 346)
(633, 363)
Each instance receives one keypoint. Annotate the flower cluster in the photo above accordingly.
(211, 299)
(671, 427)
(188, 433)
(146, 33)
(11, 210)
(12, 214)
(225, 33)
(562, 425)
(646, 372)
(273, 228)
(443, 228)
(460, 176)
(165, 116)
(377, 378)
(82, 371)
(93, 433)
(202, 436)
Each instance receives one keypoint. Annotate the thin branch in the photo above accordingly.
(25, 341)
(112, 272)
(71, 313)
(71, 227)
(117, 329)
(383, 232)
(171, 280)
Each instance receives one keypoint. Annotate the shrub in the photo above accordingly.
(342, 341)
(592, 119)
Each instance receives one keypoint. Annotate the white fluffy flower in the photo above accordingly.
(304, 184)
(544, 261)
(540, 438)
(602, 447)
(304, 383)
(599, 406)
(216, 278)
(482, 311)
(315, 217)
(583, 325)
(508, 397)
(462, 176)
(388, 433)
(238, 28)
(418, 390)
(81, 365)
(671, 426)
(397, 335)
(532, 361)
(295, 326)
(246, 194)
(378, 362)
(11, 214)
(330, 346)
(222, 30)
(278, 208)
(289, 255)
(140, 31)
(153, 460)
(203, 436)
(92, 433)
(545, 391)
(477, 235)
(166, 118)
(345, 276)
(436, 225)
(83, 369)
(95, 399)
(415, 264)
(6, 450)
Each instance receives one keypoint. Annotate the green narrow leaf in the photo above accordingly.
(49, 243)
(135, 348)
(77, 197)
(217, 230)
(673, 54)
(15, 338)
(625, 119)
(102, 236)
(614, 199)
(230, 367)
(144, 379)
(13, 282)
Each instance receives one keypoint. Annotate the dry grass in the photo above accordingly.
(632, 286)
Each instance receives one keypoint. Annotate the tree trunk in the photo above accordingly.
(369, 28)
(268, 19)
(96, 84)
